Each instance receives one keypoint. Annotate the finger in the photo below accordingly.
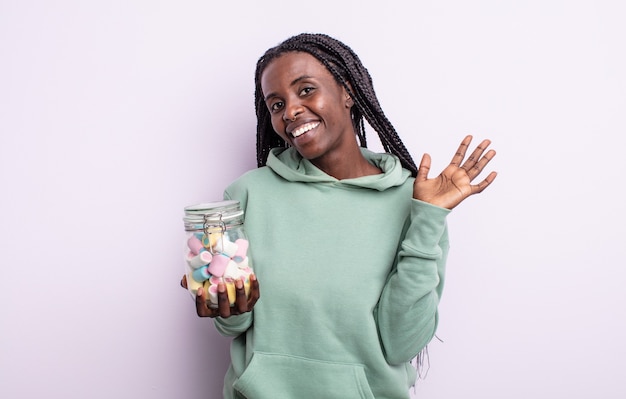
(478, 188)
(460, 152)
(424, 168)
(475, 155)
(223, 304)
(201, 307)
(255, 292)
(183, 282)
(241, 300)
(478, 167)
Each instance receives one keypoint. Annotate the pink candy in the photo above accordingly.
(195, 245)
(201, 259)
(218, 264)
(225, 261)
(242, 250)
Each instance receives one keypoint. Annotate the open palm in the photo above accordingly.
(454, 184)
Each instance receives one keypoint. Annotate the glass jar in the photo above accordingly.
(216, 249)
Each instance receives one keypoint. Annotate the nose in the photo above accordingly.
(292, 110)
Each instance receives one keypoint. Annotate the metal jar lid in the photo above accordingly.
(212, 213)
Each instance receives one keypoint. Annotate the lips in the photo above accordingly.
(304, 128)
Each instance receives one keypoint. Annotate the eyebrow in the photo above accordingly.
(293, 82)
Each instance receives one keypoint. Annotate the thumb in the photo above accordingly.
(424, 168)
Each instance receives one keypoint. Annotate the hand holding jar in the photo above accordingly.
(218, 270)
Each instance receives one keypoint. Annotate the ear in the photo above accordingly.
(349, 100)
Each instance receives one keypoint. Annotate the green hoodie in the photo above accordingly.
(350, 272)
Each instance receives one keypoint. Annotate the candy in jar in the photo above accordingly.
(216, 249)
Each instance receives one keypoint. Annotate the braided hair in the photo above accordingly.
(349, 72)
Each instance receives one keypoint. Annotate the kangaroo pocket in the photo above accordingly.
(274, 376)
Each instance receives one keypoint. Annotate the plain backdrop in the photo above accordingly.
(114, 115)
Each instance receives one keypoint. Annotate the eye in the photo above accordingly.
(275, 106)
(306, 91)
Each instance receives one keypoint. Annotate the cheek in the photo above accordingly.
(279, 127)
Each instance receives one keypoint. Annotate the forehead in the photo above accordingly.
(291, 66)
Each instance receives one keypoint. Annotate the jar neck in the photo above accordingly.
(213, 216)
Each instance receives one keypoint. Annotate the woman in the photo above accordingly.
(350, 246)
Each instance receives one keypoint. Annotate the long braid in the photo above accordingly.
(348, 70)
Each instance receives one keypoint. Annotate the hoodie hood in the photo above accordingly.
(289, 164)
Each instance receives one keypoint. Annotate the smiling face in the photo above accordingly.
(308, 108)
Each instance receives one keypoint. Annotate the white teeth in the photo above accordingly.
(304, 128)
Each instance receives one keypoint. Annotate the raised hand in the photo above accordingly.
(454, 184)
(242, 304)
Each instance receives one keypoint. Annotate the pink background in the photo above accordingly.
(114, 115)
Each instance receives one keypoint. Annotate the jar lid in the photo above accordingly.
(213, 211)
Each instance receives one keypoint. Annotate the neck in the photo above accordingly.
(346, 165)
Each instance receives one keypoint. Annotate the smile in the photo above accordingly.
(304, 128)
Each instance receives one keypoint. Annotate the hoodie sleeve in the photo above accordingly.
(234, 325)
(407, 311)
